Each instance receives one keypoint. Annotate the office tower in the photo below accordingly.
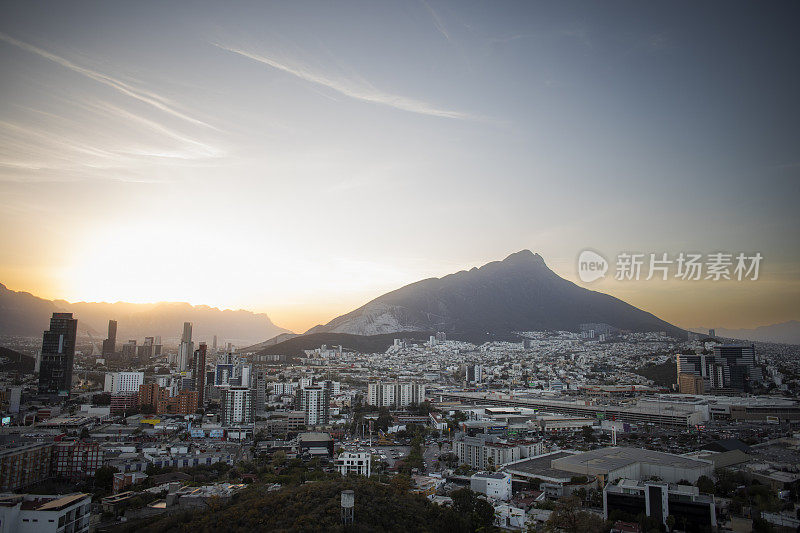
(199, 373)
(186, 348)
(110, 344)
(315, 404)
(731, 366)
(58, 355)
(157, 347)
(260, 385)
(214, 344)
(145, 352)
(129, 351)
(712, 333)
(475, 374)
(238, 406)
(738, 362)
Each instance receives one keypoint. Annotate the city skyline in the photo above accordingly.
(300, 162)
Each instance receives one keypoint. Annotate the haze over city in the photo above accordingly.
(301, 159)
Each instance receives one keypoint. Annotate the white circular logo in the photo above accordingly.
(591, 266)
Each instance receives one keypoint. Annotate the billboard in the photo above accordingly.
(151, 421)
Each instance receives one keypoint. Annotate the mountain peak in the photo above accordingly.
(523, 255)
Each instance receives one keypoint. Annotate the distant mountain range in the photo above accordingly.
(23, 314)
(785, 333)
(519, 293)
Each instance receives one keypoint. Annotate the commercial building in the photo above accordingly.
(660, 500)
(488, 451)
(731, 366)
(123, 402)
(23, 466)
(690, 384)
(618, 462)
(58, 354)
(117, 382)
(199, 373)
(667, 415)
(398, 394)
(110, 343)
(237, 406)
(315, 404)
(185, 348)
(76, 460)
(354, 462)
(315, 443)
(496, 485)
(35, 513)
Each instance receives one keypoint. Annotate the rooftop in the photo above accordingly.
(615, 457)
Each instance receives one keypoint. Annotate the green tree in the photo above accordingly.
(104, 477)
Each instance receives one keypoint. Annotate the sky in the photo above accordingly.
(302, 158)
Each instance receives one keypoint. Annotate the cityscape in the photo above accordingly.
(420, 266)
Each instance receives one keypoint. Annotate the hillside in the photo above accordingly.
(11, 361)
(359, 343)
(23, 314)
(316, 507)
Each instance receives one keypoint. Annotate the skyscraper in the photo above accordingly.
(186, 348)
(110, 344)
(199, 373)
(58, 355)
(238, 406)
(315, 404)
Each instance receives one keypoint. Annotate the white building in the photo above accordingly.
(118, 382)
(496, 485)
(36, 513)
(282, 388)
(238, 406)
(355, 462)
(315, 404)
(397, 394)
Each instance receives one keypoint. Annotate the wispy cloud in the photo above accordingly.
(142, 95)
(436, 20)
(357, 89)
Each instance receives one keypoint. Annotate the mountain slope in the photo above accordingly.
(519, 293)
(785, 332)
(23, 314)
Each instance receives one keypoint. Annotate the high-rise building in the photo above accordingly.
(690, 384)
(186, 348)
(395, 394)
(214, 344)
(129, 351)
(238, 406)
(110, 344)
(116, 382)
(259, 384)
(58, 355)
(731, 366)
(199, 373)
(315, 404)
(475, 374)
